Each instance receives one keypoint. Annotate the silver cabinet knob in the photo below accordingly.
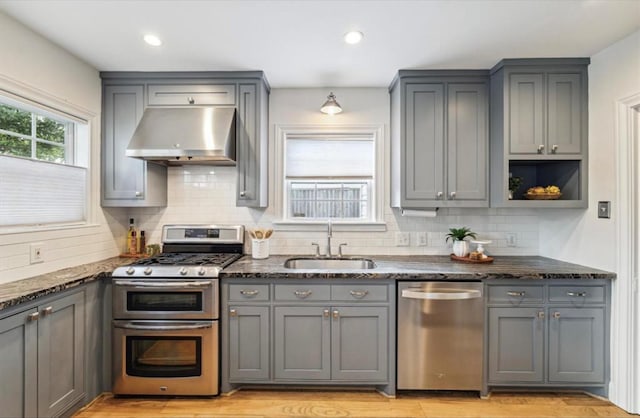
(540, 149)
(191, 100)
(33, 317)
(243, 193)
(47, 311)
(452, 195)
(336, 314)
(130, 271)
(148, 271)
(556, 315)
(541, 315)
(325, 313)
(138, 194)
(233, 312)
(439, 195)
(554, 148)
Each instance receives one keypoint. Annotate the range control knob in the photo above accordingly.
(201, 271)
(130, 271)
(148, 271)
(183, 271)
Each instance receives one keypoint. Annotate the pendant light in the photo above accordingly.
(331, 106)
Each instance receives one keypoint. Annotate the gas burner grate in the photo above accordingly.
(189, 259)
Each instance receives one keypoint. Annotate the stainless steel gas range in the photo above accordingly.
(166, 311)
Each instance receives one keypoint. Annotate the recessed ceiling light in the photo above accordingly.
(353, 37)
(152, 40)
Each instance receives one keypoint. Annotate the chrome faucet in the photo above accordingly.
(329, 236)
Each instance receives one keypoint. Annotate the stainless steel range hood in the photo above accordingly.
(177, 136)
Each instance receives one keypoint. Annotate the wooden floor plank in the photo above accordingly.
(355, 404)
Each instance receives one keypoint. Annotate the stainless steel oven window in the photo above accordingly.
(167, 302)
(155, 356)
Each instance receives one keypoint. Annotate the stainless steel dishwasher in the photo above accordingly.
(440, 329)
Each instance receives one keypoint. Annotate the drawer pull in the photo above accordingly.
(359, 294)
(47, 311)
(556, 315)
(33, 317)
(577, 294)
(302, 294)
(325, 313)
(336, 314)
(541, 315)
(512, 293)
(249, 293)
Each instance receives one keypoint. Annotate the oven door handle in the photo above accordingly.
(202, 325)
(163, 284)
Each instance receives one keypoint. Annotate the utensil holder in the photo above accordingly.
(260, 248)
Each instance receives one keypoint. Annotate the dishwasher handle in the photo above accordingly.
(441, 294)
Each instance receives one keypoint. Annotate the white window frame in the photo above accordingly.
(284, 132)
(83, 155)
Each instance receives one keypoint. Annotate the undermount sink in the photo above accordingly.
(329, 263)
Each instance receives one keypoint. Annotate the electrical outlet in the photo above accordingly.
(421, 239)
(37, 252)
(512, 239)
(403, 239)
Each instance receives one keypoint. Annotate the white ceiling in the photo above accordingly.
(298, 43)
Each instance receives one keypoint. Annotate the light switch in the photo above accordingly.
(604, 210)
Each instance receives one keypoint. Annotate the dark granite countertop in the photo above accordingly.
(388, 267)
(423, 268)
(26, 290)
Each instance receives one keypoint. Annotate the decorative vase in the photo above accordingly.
(460, 248)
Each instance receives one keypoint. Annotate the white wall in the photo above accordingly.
(206, 194)
(34, 64)
(578, 236)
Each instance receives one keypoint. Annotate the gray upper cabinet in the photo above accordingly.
(439, 139)
(539, 122)
(132, 182)
(42, 358)
(127, 181)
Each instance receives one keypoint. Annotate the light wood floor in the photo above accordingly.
(272, 403)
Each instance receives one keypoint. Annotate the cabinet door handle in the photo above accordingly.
(540, 149)
(554, 148)
(47, 311)
(138, 194)
(513, 293)
(243, 193)
(556, 315)
(336, 314)
(577, 294)
(302, 294)
(233, 312)
(249, 293)
(325, 313)
(359, 294)
(541, 315)
(439, 195)
(191, 100)
(33, 317)
(452, 195)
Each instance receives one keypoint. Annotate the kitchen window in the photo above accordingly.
(330, 173)
(43, 166)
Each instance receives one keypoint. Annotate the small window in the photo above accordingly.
(24, 133)
(43, 174)
(330, 175)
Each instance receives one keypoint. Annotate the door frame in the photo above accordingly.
(625, 311)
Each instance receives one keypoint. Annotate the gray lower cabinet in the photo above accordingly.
(548, 334)
(131, 182)
(42, 358)
(311, 332)
(440, 139)
(249, 342)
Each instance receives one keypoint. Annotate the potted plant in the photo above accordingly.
(514, 184)
(458, 235)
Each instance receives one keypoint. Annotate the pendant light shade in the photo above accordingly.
(331, 106)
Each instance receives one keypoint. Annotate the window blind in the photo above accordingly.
(330, 158)
(37, 192)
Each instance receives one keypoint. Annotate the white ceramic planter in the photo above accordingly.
(460, 248)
